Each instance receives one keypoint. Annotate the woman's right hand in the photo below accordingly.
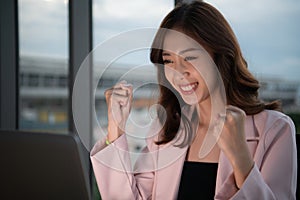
(118, 99)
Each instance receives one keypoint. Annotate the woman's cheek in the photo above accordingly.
(169, 73)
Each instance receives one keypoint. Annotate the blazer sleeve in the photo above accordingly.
(275, 177)
(115, 177)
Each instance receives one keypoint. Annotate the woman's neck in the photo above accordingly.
(204, 112)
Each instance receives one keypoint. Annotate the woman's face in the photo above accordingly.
(188, 67)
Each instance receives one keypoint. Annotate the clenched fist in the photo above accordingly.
(119, 100)
(232, 142)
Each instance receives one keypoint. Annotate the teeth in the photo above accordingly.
(188, 87)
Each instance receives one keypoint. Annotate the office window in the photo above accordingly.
(269, 39)
(43, 40)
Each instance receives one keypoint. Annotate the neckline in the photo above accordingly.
(200, 163)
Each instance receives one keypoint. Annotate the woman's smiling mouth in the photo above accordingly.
(188, 88)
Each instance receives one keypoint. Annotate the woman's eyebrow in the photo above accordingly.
(165, 54)
(190, 49)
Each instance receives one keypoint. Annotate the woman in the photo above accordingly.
(208, 96)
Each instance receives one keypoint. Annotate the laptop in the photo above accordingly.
(42, 166)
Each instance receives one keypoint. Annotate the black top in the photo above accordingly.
(198, 181)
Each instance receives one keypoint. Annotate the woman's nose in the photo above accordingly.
(181, 67)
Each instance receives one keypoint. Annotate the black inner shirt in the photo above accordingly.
(198, 181)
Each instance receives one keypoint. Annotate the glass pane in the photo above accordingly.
(43, 39)
(269, 39)
(111, 19)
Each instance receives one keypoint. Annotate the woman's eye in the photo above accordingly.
(167, 61)
(189, 58)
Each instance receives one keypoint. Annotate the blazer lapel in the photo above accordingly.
(252, 136)
(170, 161)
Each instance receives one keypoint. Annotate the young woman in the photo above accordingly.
(204, 83)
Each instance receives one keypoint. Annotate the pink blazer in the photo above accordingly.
(271, 139)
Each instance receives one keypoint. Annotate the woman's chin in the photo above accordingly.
(190, 100)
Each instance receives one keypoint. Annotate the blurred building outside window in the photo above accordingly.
(43, 41)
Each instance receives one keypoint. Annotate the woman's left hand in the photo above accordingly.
(232, 142)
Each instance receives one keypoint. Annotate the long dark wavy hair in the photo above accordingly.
(206, 25)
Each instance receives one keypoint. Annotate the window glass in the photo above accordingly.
(268, 33)
(43, 40)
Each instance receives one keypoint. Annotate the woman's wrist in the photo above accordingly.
(242, 166)
(114, 132)
(107, 141)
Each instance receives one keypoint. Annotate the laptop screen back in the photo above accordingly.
(42, 166)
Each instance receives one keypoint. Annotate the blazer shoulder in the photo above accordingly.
(274, 124)
(267, 119)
